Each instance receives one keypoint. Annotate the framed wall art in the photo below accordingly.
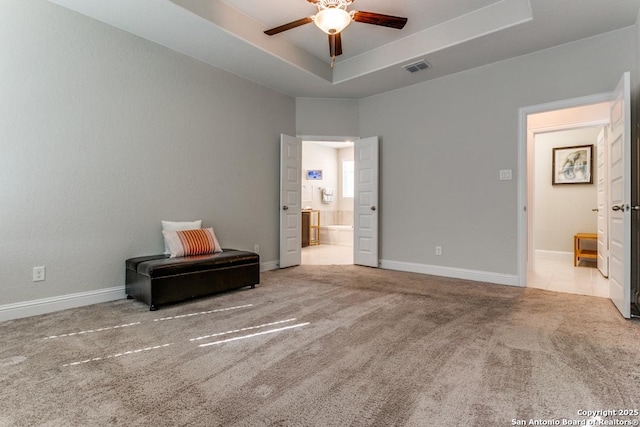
(572, 165)
(314, 174)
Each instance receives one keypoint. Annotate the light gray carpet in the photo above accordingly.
(381, 348)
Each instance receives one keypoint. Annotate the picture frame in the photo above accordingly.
(314, 174)
(572, 165)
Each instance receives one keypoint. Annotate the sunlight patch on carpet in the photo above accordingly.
(181, 316)
(125, 353)
(90, 331)
(270, 331)
(248, 328)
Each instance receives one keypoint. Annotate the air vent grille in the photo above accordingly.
(416, 66)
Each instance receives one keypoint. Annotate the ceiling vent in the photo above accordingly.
(416, 66)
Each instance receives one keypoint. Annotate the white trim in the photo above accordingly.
(523, 112)
(62, 302)
(269, 265)
(456, 273)
(19, 310)
(313, 138)
(570, 126)
(555, 255)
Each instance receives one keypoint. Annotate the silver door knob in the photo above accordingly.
(373, 208)
(285, 208)
(635, 208)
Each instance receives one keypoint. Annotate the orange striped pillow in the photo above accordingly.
(191, 242)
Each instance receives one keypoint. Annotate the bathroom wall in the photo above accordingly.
(328, 159)
(345, 204)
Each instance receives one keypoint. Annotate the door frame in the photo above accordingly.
(331, 139)
(524, 239)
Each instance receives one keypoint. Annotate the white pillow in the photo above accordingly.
(179, 226)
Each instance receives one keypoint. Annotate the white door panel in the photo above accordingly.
(290, 200)
(620, 198)
(365, 230)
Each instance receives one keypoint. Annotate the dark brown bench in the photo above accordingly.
(158, 280)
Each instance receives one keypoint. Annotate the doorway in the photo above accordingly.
(327, 202)
(365, 200)
(619, 203)
(560, 210)
(546, 238)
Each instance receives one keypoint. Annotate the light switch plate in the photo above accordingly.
(505, 175)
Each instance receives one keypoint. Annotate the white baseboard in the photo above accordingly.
(49, 305)
(557, 255)
(63, 302)
(269, 265)
(456, 273)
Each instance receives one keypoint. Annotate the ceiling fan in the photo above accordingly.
(333, 17)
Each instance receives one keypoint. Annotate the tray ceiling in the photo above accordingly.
(451, 35)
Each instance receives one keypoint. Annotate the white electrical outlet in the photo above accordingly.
(256, 249)
(38, 274)
(438, 250)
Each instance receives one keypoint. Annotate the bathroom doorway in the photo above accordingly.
(327, 202)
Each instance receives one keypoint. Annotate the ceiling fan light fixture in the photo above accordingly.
(332, 20)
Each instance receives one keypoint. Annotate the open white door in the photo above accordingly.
(290, 200)
(603, 202)
(365, 203)
(620, 198)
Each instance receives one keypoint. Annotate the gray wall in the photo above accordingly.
(443, 143)
(326, 117)
(104, 134)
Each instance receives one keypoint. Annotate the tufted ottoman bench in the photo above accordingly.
(157, 279)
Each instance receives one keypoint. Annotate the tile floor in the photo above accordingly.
(558, 274)
(327, 255)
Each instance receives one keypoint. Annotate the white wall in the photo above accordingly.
(316, 156)
(345, 205)
(104, 134)
(584, 115)
(563, 210)
(443, 143)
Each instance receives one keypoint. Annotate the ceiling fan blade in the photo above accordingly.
(380, 19)
(288, 26)
(335, 45)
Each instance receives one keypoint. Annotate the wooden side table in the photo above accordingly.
(310, 227)
(578, 252)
